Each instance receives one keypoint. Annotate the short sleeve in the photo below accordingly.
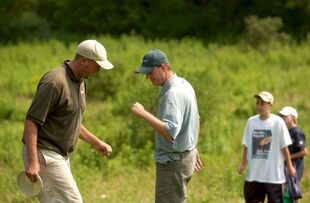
(172, 115)
(42, 103)
(285, 138)
(246, 134)
(300, 139)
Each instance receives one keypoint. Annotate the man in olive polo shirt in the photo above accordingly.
(54, 123)
(176, 126)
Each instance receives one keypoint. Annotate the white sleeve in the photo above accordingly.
(285, 138)
(246, 134)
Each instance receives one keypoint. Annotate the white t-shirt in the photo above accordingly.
(264, 140)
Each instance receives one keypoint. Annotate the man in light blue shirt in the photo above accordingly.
(176, 126)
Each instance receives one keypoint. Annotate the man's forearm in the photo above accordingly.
(299, 154)
(87, 136)
(157, 124)
(31, 136)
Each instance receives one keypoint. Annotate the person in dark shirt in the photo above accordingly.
(298, 148)
(53, 123)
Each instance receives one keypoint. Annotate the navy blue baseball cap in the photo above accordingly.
(151, 59)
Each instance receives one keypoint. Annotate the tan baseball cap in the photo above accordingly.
(93, 50)
(265, 96)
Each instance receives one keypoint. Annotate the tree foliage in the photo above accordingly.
(264, 31)
(205, 19)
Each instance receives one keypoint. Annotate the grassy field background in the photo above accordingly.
(225, 78)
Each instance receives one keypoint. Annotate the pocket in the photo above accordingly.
(41, 157)
(49, 157)
(187, 163)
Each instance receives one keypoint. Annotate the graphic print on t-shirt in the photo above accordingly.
(261, 144)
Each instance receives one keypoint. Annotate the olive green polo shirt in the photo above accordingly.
(57, 109)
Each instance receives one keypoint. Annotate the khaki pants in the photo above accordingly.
(172, 178)
(58, 182)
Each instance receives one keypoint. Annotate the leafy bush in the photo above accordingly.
(225, 79)
(260, 31)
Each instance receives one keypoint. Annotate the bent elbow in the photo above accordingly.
(305, 152)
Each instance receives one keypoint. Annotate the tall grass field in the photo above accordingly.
(225, 78)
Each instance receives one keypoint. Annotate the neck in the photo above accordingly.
(169, 75)
(291, 125)
(73, 65)
(264, 116)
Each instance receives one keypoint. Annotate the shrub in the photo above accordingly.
(260, 31)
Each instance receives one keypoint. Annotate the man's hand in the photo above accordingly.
(100, 146)
(103, 148)
(137, 108)
(32, 170)
(241, 168)
(291, 171)
(198, 164)
(155, 122)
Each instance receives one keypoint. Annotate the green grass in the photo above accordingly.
(225, 79)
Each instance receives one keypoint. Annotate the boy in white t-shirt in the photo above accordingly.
(265, 140)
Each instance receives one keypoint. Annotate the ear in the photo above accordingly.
(164, 67)
(83, 61)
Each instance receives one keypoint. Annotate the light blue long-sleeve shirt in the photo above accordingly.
(178, 109)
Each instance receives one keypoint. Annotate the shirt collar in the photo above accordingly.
(69, 71)
(168, 83)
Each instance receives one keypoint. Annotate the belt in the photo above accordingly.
(176, 156)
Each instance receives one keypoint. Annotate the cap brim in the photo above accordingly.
(262, 97)
(107, 65)
(144, 70)
(257, 95)
(284, 113)
(29, 188)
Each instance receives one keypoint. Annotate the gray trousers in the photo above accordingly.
(172, 178)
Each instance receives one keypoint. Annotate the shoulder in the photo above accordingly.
(183, 82)
(277, 119)
(53, 79)
(56, 72)
(181, 86)
(253, 118)
(297, 131)
(278, 122)
(54, 76)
